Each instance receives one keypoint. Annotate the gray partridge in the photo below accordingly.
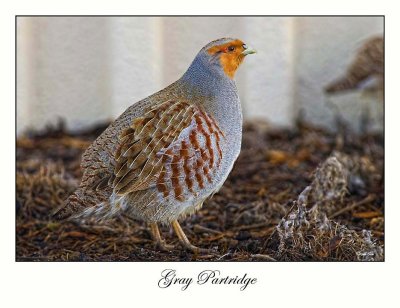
(169, 152)
(367, 63)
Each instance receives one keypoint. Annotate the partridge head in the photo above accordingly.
(166, 154)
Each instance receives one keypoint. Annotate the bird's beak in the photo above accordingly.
(248, 50)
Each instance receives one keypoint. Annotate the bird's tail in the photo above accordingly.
(73, 205)
(80, 206)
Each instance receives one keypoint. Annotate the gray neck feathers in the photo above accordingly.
(207, 80)
(206, 75)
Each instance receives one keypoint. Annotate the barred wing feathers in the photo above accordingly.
(174, 148)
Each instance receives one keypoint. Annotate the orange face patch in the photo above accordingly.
(231, 56)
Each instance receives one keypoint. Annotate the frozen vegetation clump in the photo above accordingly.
(306, 232)
(362, 173)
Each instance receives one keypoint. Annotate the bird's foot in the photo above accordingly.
(197, 250)
(160, 243)
(164, 246)
(185, 241)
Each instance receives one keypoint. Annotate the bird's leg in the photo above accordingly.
(184, 240)
(155, 232)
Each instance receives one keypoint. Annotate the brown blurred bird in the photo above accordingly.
(368, 63)
(169, 152)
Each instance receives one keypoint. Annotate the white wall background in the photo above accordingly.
(88, 70)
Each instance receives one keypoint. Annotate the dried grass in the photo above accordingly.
(262, 213)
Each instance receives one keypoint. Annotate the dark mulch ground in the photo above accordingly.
(243, 222)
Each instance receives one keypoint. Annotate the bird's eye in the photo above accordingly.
(231, 48)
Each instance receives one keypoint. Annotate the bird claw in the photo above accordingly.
(198, 250)
(164, 247)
